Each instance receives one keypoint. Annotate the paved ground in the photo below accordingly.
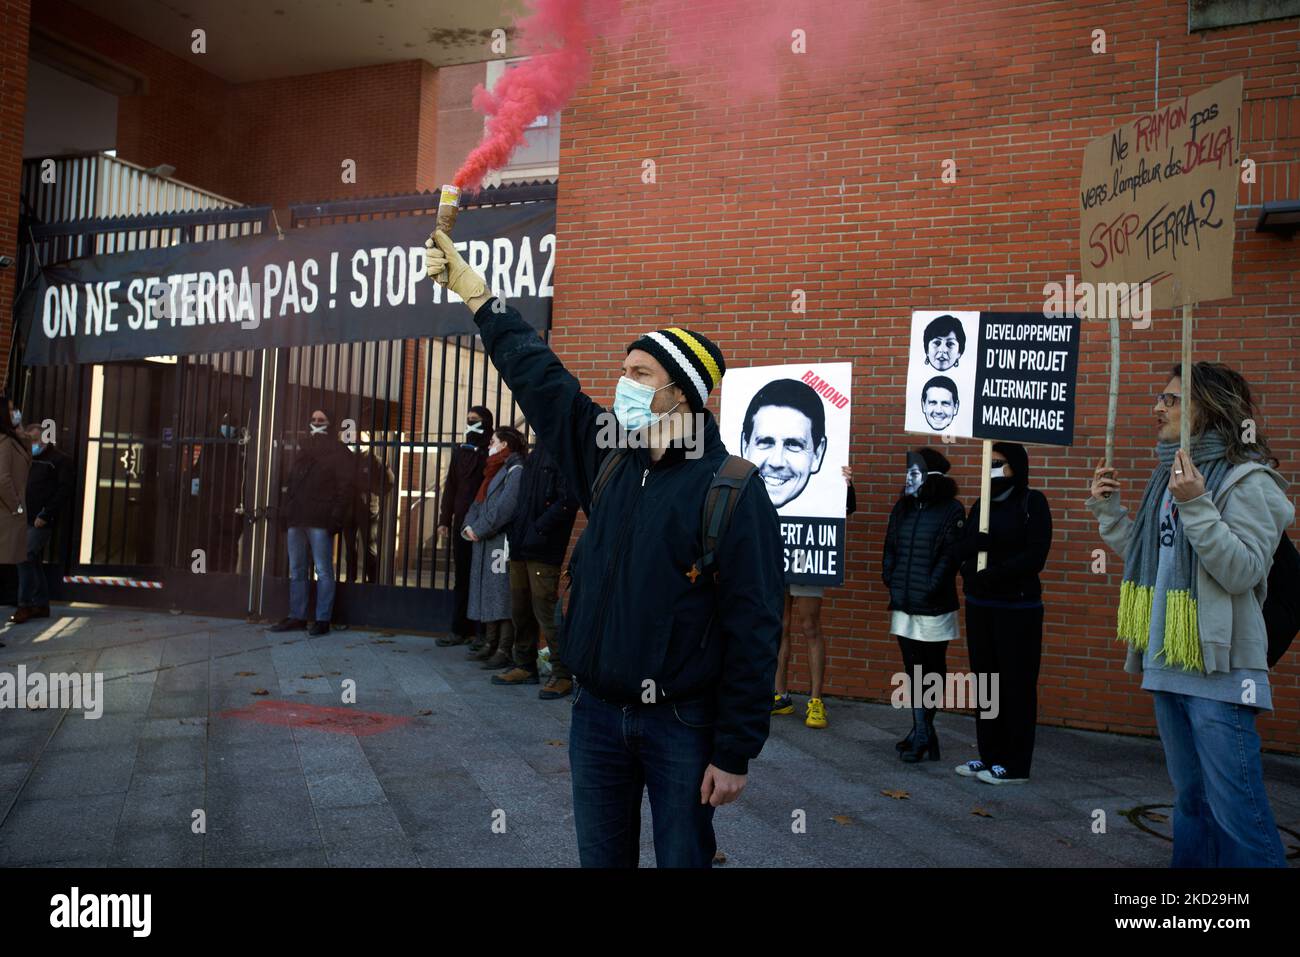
(416, 779)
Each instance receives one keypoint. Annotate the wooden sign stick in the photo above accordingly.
(1112, 403)
(1185, 419)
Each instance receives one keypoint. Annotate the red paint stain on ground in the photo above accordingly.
(297, 715)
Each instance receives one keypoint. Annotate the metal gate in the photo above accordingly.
(182, 460)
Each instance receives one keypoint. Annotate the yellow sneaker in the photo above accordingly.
(816, 713)
(782, 704)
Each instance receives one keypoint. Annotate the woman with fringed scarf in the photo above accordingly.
(490, 514)
(1197, 553)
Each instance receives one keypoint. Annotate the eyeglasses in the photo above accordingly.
(1167, 399)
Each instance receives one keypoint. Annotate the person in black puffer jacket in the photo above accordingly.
(920, 569)
(1004, 615)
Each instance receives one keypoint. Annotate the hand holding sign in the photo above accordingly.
(1104, 480)
(1185, 480)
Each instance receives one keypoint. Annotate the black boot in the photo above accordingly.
(906, 743)
(926, 742)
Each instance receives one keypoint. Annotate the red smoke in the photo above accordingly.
(557, 36)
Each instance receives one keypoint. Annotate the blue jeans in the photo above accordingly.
(32, 589)
(321, 544)
(1221, 812)
(615, 753)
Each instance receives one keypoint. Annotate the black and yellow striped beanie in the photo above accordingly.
(692, 360)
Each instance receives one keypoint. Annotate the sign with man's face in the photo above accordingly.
(1017, 383)
(792, 422)
(781, 443)
(939, 402)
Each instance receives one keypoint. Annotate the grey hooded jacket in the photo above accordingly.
(1234, 534)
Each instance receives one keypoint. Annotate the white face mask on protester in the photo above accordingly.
(318, 429)
(494, 447)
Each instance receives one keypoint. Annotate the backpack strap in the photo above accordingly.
(604, 472)
(719, 504)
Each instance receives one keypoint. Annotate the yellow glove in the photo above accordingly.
(441, 258)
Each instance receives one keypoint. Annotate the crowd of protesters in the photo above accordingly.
(1198, 549)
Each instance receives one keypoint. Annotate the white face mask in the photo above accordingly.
(494, 447)
(318, 429)
(16, 416)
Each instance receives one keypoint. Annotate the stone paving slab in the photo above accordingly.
(252, 729)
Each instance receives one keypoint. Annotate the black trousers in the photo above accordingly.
(462, 554)
(1008, 643)
(930, 656)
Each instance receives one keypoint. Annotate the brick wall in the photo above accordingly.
(835, 189)
(13, 97)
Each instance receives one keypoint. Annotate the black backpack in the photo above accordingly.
(1282, 603)
(719, 502)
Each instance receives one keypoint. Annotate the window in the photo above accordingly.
(539, 157)
(1208, 14)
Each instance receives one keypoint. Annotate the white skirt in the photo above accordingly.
(924, 627)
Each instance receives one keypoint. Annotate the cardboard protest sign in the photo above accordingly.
(792, 422)
(1003, 376)
(1157, 195)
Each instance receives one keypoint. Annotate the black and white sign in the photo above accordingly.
(1014, 378)
(349, 282)
(792, 422)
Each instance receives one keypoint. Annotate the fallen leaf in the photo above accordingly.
(245, 674)
(336, 672)
(556, 744)
(841, 819)
(719, 858)
(896, 795)
(309, 677)
(261, 691)
(426, 711)
(1156, 816)
(301, 691)
(980, 812)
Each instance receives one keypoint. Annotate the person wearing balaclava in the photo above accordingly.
(1004, 616)
(464, 477)
(317, 498)
(920, 569)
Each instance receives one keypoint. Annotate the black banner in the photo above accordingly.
(1025, 377)
(341, 283)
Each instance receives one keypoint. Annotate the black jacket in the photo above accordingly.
(319, 491)
(635, 614)
(49, 485)
(920, 560)
(1020, 529)
(464, 476)
(546, 512)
